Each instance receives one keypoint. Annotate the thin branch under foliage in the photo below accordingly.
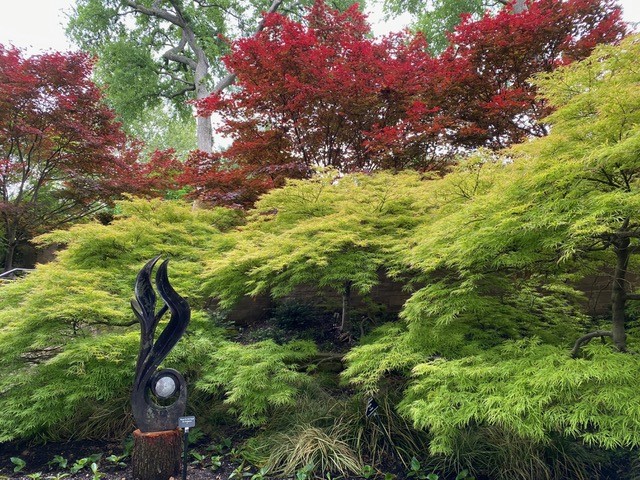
(587, 338)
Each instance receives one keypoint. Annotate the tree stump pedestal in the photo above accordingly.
(156, 455)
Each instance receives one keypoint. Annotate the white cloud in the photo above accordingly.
(37, 25)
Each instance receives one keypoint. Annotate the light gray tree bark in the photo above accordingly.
(198, 65)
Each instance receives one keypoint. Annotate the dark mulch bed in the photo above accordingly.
(38, 458)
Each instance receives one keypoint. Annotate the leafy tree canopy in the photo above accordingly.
(438, 19)
(154, 56)
(530, 390)
(69, 340)
(325, 232)
(491, 251)
(62, 153)
(528, 225)
(495, 250)
(354, 103)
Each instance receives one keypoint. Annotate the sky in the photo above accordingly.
(38, 25)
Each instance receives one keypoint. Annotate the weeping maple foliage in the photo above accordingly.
(63, 155)
(323, 92)
(211, 181)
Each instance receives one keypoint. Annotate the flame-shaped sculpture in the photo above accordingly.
(167, 385)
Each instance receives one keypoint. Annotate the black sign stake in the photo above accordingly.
(186, 423)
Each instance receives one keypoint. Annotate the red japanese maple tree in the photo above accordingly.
(489, 63)
(63, 156)
(310, 95)
(322, 92)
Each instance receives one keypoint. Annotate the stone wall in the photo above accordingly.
(390, 296)
(387, 295)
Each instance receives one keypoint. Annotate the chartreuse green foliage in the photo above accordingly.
(258, 376)
(596, 145)
(482, 285)
(530, 389)
(498, 257)
(322, 232)
(68, 339)
(492, 251)
(80, 391)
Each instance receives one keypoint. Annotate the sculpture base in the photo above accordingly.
(156, 455)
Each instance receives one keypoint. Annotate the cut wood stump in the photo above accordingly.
(156, 455)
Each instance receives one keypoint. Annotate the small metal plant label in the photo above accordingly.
(186, 422)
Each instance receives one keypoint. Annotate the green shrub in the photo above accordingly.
(68, 338)
(294, 315)
(492, 452)
(257, 377)
(529, 390)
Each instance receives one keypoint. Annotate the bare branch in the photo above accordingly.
(225, 82)
(220, 7)
(174, 57)
(179, 93)
(174, 53)
(155, 11)
(628, 234)
(608, 182)
(325, 357)
(37, 356)
(113, 324)
(587, 338)
(177, 79)
(611, 237)
(601, 248)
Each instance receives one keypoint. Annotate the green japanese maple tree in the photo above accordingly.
(487, 339)
(328, 232)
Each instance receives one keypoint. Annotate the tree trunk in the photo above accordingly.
(8, 256)
(204, 130)
(204, 133)
(346, 307)
(618, 293)
(156, 455)
(12, 243)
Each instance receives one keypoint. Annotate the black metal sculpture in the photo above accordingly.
(159, 398)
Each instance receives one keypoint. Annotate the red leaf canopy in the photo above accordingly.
(322, 92)
(62, 153)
